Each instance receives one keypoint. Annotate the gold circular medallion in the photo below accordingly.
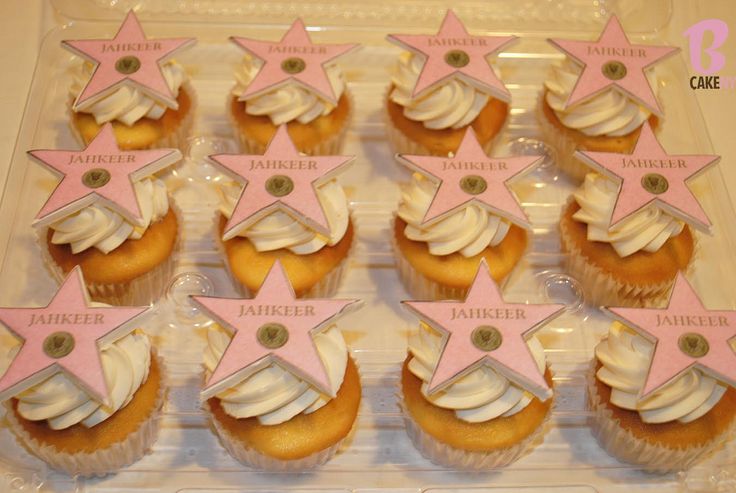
(457, 58)
(614, 70)
(128, 64)
(279, 185)
(272, 335)
(473, 184)
(96, 178)
(694, 345)
(486, 338)
(654, 183)
(58, 344)
(293, 65)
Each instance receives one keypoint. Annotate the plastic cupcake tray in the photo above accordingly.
(380, 458)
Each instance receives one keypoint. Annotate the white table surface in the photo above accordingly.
(24, 22)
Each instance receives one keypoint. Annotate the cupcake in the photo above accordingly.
(84, 390)
(441, 87)
(476, 392)
(282, 391)
(288, 207)
(661, 388)
(627, 229)
(112, 217)
(132, 82)
(455, 212)
(293, 82)
(599, 97)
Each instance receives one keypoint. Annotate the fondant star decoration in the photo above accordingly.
(294, 58)
(128, 58)
(273, 327)
(685, 335)
(281, 179)
(471, 177)
(650, 176)
(64, 336)
(485, 330)
(614, 62)
(453, 53)
(101, 172)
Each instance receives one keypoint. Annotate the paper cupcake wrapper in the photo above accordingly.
(329, 147)
(325, 288)
(626, 447)
(401, 144)
(602, 289)
(447, 456)
(176, 139)
(143, 290)
(564, 144)
(104, 461)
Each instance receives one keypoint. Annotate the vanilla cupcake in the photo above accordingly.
(436, 94)
(62, 417)
(132, 83)
(295, 83)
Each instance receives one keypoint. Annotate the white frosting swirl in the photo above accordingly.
(127, 104)
(273, 394)
(452, 104)
(481, 395)
(62, 403)
(626, 356)
(468, 231)
(288, 102)
(100, 227)
(609, 113)
(281, 230)
(647, 229)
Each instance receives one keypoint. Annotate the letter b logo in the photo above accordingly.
(696, 33)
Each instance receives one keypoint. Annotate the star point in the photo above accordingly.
(484, 307)
(310, 70)
(650, 176)
(281, 159)
(470, 63)
(275, 303)
(101, 172)
(69, 313)
(128, 58)
(602, 61)
(685, 316)
(471, 177)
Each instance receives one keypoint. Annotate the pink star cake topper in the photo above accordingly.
(453, 53)
(685, 335)
(614, 62)
(294, 58)
(485, 330)
(471, 177)
(274, 327)
(128, 58)
(650, 176)
(101, 172)
(64, 336)
(280, 179)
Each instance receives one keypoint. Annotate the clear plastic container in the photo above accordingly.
(380, 459)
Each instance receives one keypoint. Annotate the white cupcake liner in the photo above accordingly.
(176, 139)
(448, 456)
(325, 288)
(564, 144)
(329, 147)
(252, 458)
(626, 447)
(401, 144)
(602, 289)
(143, 290)
(104, 461)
